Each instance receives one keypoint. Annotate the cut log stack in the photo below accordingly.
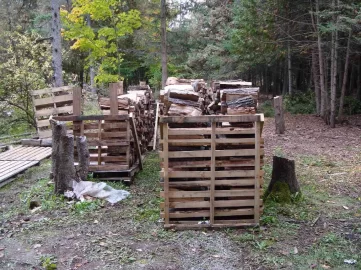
(191, 97)
(185, 97)
(138, 103)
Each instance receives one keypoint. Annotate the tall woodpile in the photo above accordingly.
(192, 97)
(139, 103)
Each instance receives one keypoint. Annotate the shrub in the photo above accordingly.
(300, 103)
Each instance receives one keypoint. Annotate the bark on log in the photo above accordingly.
(179, 110)
(241, 110)
(183, 94)
(64, 172)
(83, 157)
(284, 171)
(279, 119)
(58, 130)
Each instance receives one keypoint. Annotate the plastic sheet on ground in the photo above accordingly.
(97, 190)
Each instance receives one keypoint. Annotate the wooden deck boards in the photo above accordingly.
(19, 159)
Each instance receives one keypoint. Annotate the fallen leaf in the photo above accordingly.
(140, 250)
(345, 207)
(295, 250)
(324, 266)
(2, 254)
(37, 246)
(103, 244)
(96, 221)
(216, 256)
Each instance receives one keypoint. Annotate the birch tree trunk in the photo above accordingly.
(56, 44)
(345, 74)
(164, 42)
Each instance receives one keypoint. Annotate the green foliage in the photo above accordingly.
(49, 262)
(87, 206)
(102, 42)
(280, 193)
(352, 105)
(300, 103)
(25, 66)
(267, 109)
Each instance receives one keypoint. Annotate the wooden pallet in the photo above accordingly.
(19, 159)
(54, 101)
(111, 138)
(211, 171)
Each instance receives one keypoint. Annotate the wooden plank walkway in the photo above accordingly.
(19, 159)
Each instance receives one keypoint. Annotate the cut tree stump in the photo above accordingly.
(64, 171)
(58, 130)
(284, 181)
(83, 157)
(279, 119)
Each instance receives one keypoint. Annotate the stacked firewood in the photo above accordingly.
(185, 97)
(139, 102)
(235, 97)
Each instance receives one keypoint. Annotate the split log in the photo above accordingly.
(179, 87)
(234, 84)
(64, 171)
(247, 101)
(183, 94)
(279, 118)
(123, 103)
(241, 110)
(182, 110)
(235, 93)
(83, 157)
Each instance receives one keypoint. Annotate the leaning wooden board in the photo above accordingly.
(19, 159)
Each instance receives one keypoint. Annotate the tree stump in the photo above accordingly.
(58, 130)
(279, 119)
(83, 157)
(284, 182)
(64, 171)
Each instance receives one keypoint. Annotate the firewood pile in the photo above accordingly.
(192, 97)
(138, 102)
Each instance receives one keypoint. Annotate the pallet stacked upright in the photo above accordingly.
(211, 170)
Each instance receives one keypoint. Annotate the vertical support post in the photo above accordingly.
(128, 147)
(279, 119)
(156, 127)
(166, 178)
(213, 169)
(77, 101)
(99, 145)
(136, 140)
(257, 169)
(113, 94)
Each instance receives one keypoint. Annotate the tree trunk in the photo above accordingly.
(284, 171)
(321, 66)
(345, 74)
(164, 42)
(289, 68)
(334, 45)
(279, 119)
(58, 130)
(316, 81)
(358, 83)
(56, 44)
(83, 157)
(64, 170)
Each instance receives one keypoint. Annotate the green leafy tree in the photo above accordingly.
(103, 40)
(25, 66)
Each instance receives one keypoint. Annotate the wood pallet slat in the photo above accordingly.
(211, 174)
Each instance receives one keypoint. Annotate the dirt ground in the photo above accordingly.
(320, 232)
